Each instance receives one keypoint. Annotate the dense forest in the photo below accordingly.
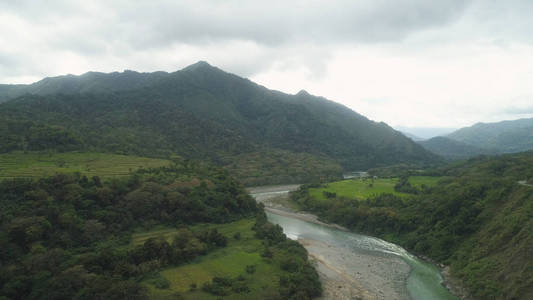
(478, 219)
(454, 150)
(69, 236)
(505, 136)
(200, 112)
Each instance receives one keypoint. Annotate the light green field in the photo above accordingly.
(424, 180)
(33, 164)
(229, 261)
(365, 188)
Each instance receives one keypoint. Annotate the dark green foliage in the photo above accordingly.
(505, 136)
(478, 219)
(68, 236)
(222, 286)
(204, 113)
(404, 186)
(250, 269)
(302, 281)
(160, 282)
(452, 149)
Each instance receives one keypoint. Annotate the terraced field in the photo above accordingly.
(230, 261)
(18, 164)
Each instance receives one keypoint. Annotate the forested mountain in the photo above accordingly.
(477, 219)
(412, 136)
(199, 112)
(505, 136)
(90, 82)
(453, 149)
(71, 237)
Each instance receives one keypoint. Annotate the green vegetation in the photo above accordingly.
(104, 165)
(201, 113)
(504, 137)
(73, 237)
(475, 218)
(454, 150)
(279, 166)
(354, 188)
(228, 262)
(428, 181)
(366, 187)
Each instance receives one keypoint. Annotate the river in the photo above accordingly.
(354, 266)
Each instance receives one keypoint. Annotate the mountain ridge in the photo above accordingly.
(202, 112)
(507, 136)
(452, 149)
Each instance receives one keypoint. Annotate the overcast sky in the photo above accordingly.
(415, 63)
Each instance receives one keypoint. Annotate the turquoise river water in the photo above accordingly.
(424, 279)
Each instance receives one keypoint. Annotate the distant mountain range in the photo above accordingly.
(424, 133)
(200, 112)
(412, 136)
(453, 149)
(484, 139)
(505, 136)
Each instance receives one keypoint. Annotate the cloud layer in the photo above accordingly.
(439, 63)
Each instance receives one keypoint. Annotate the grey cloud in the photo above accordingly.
(518, 110)
(289, 33)
(151, 23)
(281, 22)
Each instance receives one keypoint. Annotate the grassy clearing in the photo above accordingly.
(230, 261)
(364, 188)
(424, 180)
(356, 188)
(37, 164)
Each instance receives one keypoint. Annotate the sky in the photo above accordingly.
(409, 63)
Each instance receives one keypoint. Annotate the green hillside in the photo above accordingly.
(452, 149)
(477, 218)
(505, 136)
(199, 112)
(38, 164)
(150, 235)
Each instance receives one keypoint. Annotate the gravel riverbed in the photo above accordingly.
(344, 272)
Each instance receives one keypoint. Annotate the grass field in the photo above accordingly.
(229, 261)
(33, 164)
(364, 188)
(424, 180)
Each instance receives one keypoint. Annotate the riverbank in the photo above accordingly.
(345, 273)
(304, 217)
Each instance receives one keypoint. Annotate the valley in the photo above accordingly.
(134, 184)
(266, 150)
(353, 266)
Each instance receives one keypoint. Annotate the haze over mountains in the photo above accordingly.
(199, 112)
(506, 136)
(481, 139)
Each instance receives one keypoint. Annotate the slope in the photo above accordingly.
(199, 112)
(452, 149)
(477, 218)
(505, 136)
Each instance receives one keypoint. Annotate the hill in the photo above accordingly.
(475, 217)
(412, 136)
(199, 112)
(505, 136)
(185, 231)
(452, 149)
(104, 165)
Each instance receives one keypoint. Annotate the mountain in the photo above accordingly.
(452, 149)
(475, 218)
(505, 136)
(199, 112)
(412, 136)
(90, 82)
(424, 133)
